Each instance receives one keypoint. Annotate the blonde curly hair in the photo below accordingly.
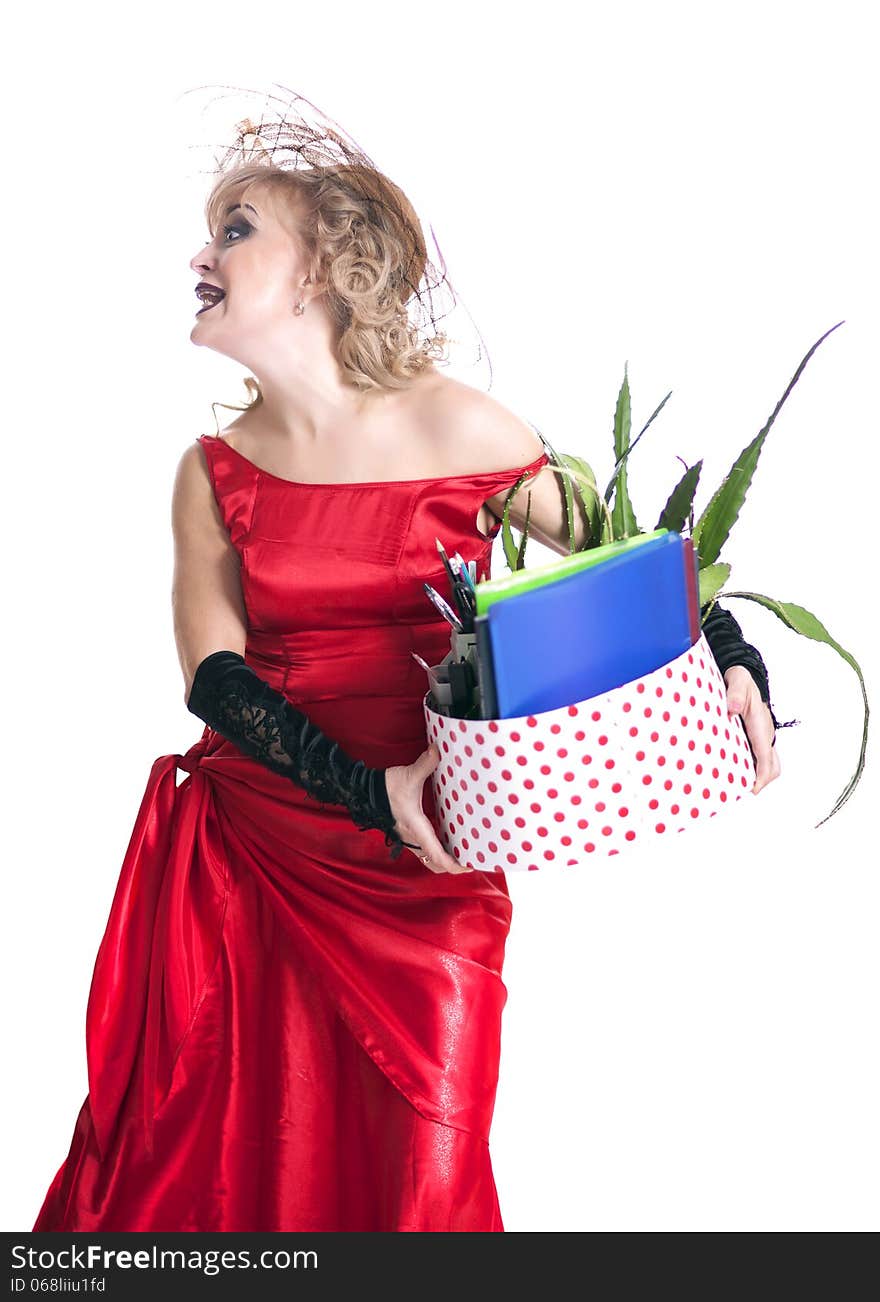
(364, 240)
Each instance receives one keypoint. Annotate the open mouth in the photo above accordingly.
(209, 298)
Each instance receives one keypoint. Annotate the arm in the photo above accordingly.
(206, 596)
(210, 628)
(730, 648)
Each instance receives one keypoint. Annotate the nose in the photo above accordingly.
(198, 263)
(205, 258)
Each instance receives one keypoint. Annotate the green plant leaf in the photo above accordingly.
(507, 542)
(622, 431)
(521, 556)
(576, 471)
(623, 517)
(588, 490)
(570, 471)
(564, 483)
(712, 578)
(714, 525)
(510, 549)
(805, 623)
(680, 501)
(623, 456)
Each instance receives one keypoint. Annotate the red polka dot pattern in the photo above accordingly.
(648, 759)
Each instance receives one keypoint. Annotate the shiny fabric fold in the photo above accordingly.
(171, 896)
(423, 1000)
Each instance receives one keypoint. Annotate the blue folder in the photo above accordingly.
(587, 633)
(511, 585)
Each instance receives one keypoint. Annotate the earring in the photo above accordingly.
(300, 308)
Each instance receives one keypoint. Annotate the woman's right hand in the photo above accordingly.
(404, 784)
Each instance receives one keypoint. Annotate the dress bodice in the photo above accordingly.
(332, 577)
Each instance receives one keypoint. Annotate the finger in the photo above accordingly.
(736, 700)
(428, 760)
(759, 738)
(762, 771)
(422, 768)
(434, 857)
(438, 864)
(774, 768)
(441, 862)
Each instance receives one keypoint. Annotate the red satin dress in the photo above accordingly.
(286, 1029)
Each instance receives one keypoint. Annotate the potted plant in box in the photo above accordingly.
(606, 521)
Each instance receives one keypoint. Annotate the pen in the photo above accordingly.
(459, 593)
(465, 595)
(464, 571)
(444, 607)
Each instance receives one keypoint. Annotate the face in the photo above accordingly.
(262, 271)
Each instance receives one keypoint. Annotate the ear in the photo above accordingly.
(313, 285)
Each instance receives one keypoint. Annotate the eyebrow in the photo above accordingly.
(236, 206)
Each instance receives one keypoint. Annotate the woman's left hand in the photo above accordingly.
(744, 699)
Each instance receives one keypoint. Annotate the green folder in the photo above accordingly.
(509, 585)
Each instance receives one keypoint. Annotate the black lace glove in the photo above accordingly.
(729, 647)
(233, 700)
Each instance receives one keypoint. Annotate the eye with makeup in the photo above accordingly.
(239, 228)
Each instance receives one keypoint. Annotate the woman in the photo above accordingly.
(294, 1021)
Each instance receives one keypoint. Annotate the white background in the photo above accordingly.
(690, 1040)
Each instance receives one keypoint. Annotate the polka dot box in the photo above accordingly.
(557, 788)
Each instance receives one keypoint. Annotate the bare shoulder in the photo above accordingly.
(475, 432)
(191, 478)
(192, 500)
